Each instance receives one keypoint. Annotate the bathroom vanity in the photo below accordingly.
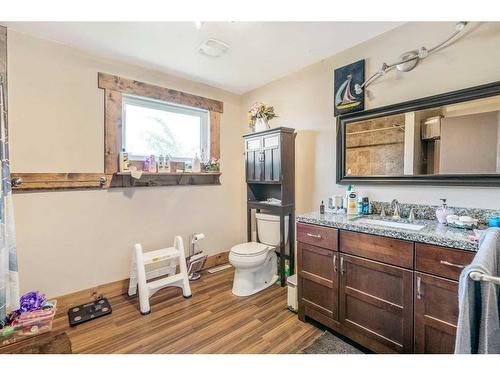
(390, 289)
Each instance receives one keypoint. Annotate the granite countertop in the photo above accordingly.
(433, 232)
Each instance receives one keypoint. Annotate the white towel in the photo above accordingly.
(478, 329)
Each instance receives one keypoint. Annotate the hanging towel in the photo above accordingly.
(478, 329)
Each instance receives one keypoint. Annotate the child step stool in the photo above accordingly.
(139, 276)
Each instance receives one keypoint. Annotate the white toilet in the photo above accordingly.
(255, 263)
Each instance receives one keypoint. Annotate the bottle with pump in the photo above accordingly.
(443, 211)
(346, 197)
(352, 202)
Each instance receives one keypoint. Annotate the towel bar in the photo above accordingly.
(478, 276)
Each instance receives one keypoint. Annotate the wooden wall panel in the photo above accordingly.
(129, 86)
(112, 130)
(52, 181)
(214, 135)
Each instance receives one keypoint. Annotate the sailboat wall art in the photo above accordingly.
(345, 78)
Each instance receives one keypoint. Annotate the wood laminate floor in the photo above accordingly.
(213, 320)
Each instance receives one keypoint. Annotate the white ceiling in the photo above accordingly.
(260, 51)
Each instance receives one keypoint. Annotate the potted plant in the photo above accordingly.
(259, 116)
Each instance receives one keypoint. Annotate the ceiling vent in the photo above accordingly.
(213, 48)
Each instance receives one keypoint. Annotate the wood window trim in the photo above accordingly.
(114, 87)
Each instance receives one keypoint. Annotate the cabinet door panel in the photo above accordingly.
(254, 166)
(254, 144)
(272, 170)
(436, 314)
(272, 158)
(376, 300)
(318, 279)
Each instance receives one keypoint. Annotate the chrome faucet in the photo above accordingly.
(411, 216)
(395, 206)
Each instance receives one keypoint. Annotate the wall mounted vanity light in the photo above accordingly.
(408, 60)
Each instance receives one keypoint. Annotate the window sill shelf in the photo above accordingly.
(171, 174)
(150, 179)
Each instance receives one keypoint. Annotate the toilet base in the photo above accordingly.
(250, 281)
(248, 292)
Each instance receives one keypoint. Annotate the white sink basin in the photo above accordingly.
(391, 224)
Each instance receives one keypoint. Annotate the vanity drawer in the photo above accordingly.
(317, 236)
(442, 261)
(384, 249)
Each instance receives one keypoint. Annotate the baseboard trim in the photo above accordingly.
(117, 288)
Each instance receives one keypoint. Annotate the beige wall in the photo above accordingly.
(304, 100)
(73, 240)
(477, 132)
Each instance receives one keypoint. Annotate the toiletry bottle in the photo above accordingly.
(443, 211)
(147, 161)
(168, 166)
(331, 206)
(196, 164)
(152, 164)
(366, 206)
(360, 206)
(352, 203)
(346, 197)
(124, 162)
(161, 164)
(321, 208)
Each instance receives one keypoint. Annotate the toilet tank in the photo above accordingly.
(268, 229)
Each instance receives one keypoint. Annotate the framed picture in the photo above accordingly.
(345, 79)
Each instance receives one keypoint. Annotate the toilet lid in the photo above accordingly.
(250, 248)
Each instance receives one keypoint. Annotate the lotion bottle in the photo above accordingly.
(352, 203)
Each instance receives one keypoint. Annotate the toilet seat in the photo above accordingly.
(250, 249)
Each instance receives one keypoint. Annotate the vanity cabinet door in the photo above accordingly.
(376, 300)
(436, 314)
(318, 279)
(272, 158)
(254, 159)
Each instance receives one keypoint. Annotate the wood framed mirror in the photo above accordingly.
(446, 139)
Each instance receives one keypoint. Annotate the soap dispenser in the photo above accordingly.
(443, 211)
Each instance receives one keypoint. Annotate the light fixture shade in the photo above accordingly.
(213, 47)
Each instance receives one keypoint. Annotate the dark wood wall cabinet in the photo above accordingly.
(270, 173)
(389, 295)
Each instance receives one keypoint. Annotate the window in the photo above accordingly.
(153, 127)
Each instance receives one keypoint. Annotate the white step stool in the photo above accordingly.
(139, 276)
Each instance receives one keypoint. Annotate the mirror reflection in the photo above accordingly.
(461, 138)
